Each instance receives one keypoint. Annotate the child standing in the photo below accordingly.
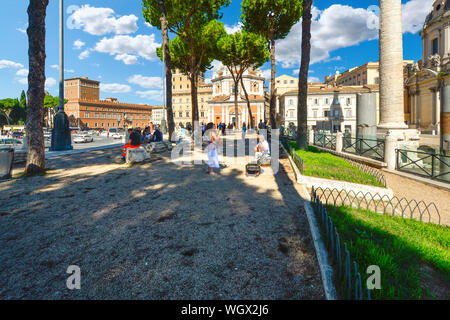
(213, 157)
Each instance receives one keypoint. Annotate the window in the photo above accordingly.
(316, 101)
(291, 102)
(434, 46)
(292, 81)
(285, 81)
(86, 114)
(202, 114)
(291, 113)
(348, 113)
(349, 101)
(315, 113)
(336, 113)
(187, 114)
(327, 113)
(180, 114)
(327, 101)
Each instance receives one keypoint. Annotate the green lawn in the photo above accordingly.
(414, 257)
(328, 166)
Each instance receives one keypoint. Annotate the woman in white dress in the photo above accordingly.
(213, 157)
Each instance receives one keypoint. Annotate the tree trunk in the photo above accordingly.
(194, 99)
(272, 110)
(36, 82)
(302, 110)
(236, 108)
(165, 36)
(248, 105)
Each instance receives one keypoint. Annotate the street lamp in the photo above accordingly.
(61, 139)
(163, 120)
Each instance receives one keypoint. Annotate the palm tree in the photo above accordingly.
(302, 110)
(36, 83)
(168, 64)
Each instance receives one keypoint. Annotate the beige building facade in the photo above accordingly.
(329, 108)
(182, 101)
(427, 106)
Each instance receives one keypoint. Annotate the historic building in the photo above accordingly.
(368, 73)
(329, 108)
(181, 98)
(221, 107)
(85, 109)
(428, 85)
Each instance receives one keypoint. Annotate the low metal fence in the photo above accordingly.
(433, 166)
(371, 148)
(347, 275)
(401, 207)
(325, 140)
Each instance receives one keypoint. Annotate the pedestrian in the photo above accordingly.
(244, 129)
(213, 157)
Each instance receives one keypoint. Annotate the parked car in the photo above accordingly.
(116, 136)
(17, 134)
(11, 143)
(83, 139)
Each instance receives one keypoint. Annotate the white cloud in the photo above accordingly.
(154, 95)
(146, 82)
(23, 80)
(208, 80)
(10, 64)
(85, 54)
(414, 14)
(313, 79)
(100, 21)
(50, 82)
(234, 28)
(78, 44)
(267, 73)
(22, 73)
(55, 66)
(342, 26)
(141, 45)
(115, 88)
(127, 58)
(22, 30)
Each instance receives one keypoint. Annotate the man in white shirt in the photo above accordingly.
(262, 151)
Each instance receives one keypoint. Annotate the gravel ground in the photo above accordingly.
(414, 190)
(154, 231)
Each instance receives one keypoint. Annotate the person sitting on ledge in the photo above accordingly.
(262, 152)
(157, 135)
(134, 141)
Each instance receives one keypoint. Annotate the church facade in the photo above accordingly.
(221, 108)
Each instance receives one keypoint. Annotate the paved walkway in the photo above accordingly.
(154, 231)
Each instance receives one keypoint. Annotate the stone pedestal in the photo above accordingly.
(339, 141)
(61, 139)
(311, 137)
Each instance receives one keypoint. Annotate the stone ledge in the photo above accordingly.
(433, 183)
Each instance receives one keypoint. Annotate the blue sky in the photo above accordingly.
(108, 40)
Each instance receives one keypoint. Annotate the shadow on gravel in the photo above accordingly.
(153, 231)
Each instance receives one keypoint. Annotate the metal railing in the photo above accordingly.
(365, 174)
(424, 164)
(325, 140)
(371, 148)
(347, 275)
(395, 206)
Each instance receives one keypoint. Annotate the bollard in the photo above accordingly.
(6, 162)
(339, 141)
(390, 147)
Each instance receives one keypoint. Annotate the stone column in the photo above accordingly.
(390, 156)
(445, 119)
(418, 109)
(391, 66)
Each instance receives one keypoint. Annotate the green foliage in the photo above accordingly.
(52, 102)
(400, 247)
(205, 48)
(242, 50)
(6, 108)
(273, 19)
(184, 17)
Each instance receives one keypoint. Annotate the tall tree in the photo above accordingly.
(239, 52)
(7, 106)
(163, 25)
(186, 19)
(50, 105)
(273, 19)
(206, 48)
(302, 110)
(36, 83)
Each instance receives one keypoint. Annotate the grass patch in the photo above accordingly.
(414, 257)
(328, 166)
